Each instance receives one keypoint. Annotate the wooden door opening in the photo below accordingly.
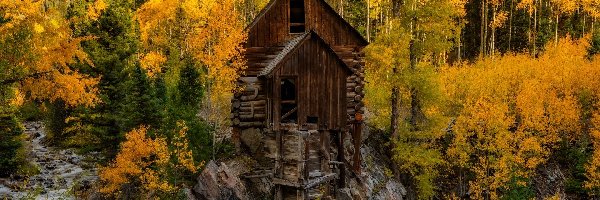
(289, 106)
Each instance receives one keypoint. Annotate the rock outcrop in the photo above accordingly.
(231, 180)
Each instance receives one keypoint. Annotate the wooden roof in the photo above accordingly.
(292, 46)
(328, 8)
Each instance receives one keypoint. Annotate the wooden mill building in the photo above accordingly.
(301, 98)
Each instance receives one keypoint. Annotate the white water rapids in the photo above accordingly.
(60, 170)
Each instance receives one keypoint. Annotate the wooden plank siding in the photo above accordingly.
(326, 62)
(321, 84)
(272, 27)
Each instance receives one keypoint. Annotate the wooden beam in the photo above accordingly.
(319, 180)
(289, 113)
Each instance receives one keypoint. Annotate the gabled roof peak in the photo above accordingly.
(361, 40)
(291, 47)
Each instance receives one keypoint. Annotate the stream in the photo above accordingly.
(60, 170)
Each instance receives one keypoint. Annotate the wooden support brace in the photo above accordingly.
(289, 113)
(319, 180)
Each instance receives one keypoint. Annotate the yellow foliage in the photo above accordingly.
(592, 7)
(136, 159)
(148, 161)
(529, 5)
(181, 149)
(566, 6)
(513, 111)
(152, 62)
(43, 72)
(210, 31)
(18, 99)
(96, 9)
(593, 166)
(499, 19)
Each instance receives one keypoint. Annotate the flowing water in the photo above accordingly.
(61, 170)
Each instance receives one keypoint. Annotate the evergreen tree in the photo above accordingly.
(141, 105)
(113, 52)
(190, 88)
(10, 132)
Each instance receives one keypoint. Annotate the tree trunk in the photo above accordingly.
(368, 20)
(493, 37)
(510, 25)
(394, 119)
(395, 111)
(556, 32)
(415, 104)
(583, 32)
(341, 8)
(485, 27)
(534, 39)
(415, 108)
(593, 31)
(481, 33)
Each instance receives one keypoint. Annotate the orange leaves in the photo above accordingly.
(71, 87)
(566, 6)
(592, 7)
(148, 161)
(499, 19)
(593, 167)
(513, 110)
(42, 65)
(181, 150)
(209, 31)
(220, 45)
(138, 155)
(528, 5)
(96, 9)
(152, 62)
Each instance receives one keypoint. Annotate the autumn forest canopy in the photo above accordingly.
(474, 99)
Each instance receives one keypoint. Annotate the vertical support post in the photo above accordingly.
(235, 136)
(357, 138)
(341, 158)
(277, 171)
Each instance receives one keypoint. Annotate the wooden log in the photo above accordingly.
(350, 94)
(236, 103)
(353, 84)
(250, 109)
(269, 174)
(357, 98)
(361, 110)
(358, 89)
(318, 181)
(252, 113)
(235, 121)
(253, 117)
(251, 89)
(361, 93)
(250, 124)
(253, 103)
(358, 106)
(237, 94)
(253, 97)
(361, 75)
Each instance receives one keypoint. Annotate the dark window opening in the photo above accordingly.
(312, 119)
(297, 16)
(289, 108)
